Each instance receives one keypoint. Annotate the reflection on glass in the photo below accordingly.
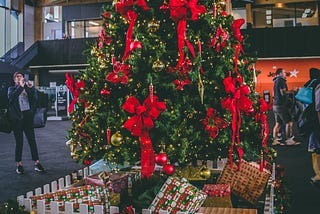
(84, 28)
(285, 15)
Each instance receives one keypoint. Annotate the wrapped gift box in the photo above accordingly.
(116, 181)
(219, 210)
(103, 165)
(88, 194)
(248, 182)
(218, 195)
(178, 195)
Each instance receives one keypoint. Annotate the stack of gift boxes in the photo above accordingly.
(103, 188)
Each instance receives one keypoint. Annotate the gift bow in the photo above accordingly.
(74, 88)
(179, 11)
(140, 124)
(235, 103)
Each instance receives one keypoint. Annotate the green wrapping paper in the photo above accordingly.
(178, 195)
(91, 195)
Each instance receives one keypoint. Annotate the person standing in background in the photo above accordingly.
(314, 137)
(22, 98)
(281, 109)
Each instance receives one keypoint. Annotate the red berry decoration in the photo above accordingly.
(161, 159)
(168, 169)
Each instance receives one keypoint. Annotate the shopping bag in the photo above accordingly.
(4, 121)
(304, 94)
(40, 118)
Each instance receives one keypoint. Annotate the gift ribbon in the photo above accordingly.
(74, 88)
(236, 102)
(140, 124)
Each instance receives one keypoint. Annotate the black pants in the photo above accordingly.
(25, 125)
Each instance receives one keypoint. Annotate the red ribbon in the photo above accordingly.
(262, 117)
(125, 8)
(236, 102)
(238, 48)
(140, 124)
(236, 25)
(220, 39)
(74, 88)
(179, 11)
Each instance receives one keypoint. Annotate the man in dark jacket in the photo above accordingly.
(22, 98)
(281, 109)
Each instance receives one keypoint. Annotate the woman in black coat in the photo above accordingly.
(22, 99)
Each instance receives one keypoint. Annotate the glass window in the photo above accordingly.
(52, 26)
(14, 28)
(84, 28)
(2, 31)
(76, 29)
(93, 28)
(3, 3)
(285, 15)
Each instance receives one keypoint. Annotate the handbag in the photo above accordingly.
(40, 118)
(307, 120)
(5, 125)
(304, 94)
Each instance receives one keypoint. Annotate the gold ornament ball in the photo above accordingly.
(205, 173)
(158, 65)
(116, 139)
(153, 26)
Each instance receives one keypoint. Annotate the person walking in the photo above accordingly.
(22, 99)
(281, 109)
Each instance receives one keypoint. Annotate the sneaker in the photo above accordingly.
(39, 168)
(291, 142)
(279, 137)
(277, 143)
(20, 170)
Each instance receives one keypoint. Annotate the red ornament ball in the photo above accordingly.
(86, 162)
(168, 169)
(161, 159)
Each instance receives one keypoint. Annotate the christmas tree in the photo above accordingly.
(170, 77)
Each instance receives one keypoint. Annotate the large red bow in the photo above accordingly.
(124, 6)
(179, 11)
(236, 102)
(74, 88)
(140, 124)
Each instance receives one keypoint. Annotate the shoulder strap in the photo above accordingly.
(312, 81)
